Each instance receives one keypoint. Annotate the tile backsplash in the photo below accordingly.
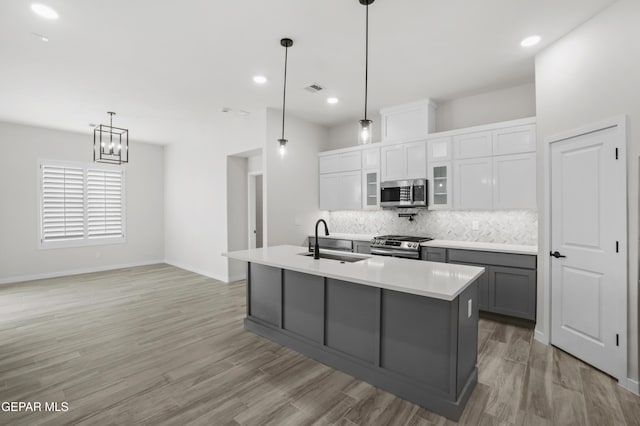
(508, 226)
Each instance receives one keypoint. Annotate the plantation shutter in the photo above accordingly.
(104, 203)
(62, 203)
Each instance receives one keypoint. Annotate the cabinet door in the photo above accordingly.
(512, 291)
(439, 149)
(328, 191)
(483, 286)
(405, 124)
(440, 185)
(350, 161)
(472, 145)
(350, 191)
(514, 140)
(514, 181)
(370, 189)
(329, 163)
(416, 160)
(371, 158)
(361, 247)
(341, 191)
(473, 189)
(434, 254)
(392, 163)
(342, 162)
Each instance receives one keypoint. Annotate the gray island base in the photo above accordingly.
(419, 348)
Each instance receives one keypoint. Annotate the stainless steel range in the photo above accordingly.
(397, 246)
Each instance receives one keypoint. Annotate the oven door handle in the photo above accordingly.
(391, 252)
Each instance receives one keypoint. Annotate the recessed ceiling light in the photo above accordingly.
(333, 100)
(530, 41)
(260, 79)
(44, 11)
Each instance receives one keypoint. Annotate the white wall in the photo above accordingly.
(237, 212)
(490, 107)
(22, 147)
(346, 134)
(589, 75)
(196, 190)
(292, 199)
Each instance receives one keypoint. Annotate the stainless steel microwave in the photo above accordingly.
(404, 193)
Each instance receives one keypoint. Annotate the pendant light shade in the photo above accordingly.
(364, 131)
(282, 142)
(110, 144)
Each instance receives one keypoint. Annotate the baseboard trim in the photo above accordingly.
(631, 385)
(58, 274)
(195, 270)
(540, 337)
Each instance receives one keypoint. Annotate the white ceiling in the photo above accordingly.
(163, 65)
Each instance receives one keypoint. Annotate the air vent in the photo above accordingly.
(314, 88)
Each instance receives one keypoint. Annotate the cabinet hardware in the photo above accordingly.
(617, 340)
(616, 153)
(617, 247)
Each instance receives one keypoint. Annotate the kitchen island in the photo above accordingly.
(409, 327)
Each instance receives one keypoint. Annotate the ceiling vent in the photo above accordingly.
(314, 88)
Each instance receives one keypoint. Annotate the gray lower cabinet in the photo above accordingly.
(512, 291)
(509, 285)
(434, 254)
(361, 247)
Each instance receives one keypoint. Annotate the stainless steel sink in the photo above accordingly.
(338, 257)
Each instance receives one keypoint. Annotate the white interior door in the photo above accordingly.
(588, 228)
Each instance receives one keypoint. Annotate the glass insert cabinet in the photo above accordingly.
(440, 186)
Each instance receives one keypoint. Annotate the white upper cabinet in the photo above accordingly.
(473, 184)
(439, 149)
(514, 140)
(514, 181)
(473, 145)
(416, 158)
(440, 185)
(409, 122)
(341, 162)
(392, 163)
(403, 161)
(341, 191)
(371, 158)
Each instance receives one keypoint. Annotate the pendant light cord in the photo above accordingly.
(366, 63)
(284, 96)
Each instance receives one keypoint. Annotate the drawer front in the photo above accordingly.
(331, 244)
(492, 258)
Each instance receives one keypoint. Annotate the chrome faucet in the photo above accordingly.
(316, 248)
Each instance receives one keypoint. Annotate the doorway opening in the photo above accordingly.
(256, 210)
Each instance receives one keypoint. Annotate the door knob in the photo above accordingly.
(556, 254)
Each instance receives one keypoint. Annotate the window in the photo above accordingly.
(80, 204)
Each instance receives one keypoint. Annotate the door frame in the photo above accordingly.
(544, 335)
(251, 216)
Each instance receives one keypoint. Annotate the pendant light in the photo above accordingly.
(364, 132)
(286, 43)
(110, 144)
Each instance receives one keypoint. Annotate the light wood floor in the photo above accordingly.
(159, 345)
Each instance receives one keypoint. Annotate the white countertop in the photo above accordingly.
(468, 245)
(438, 280)
(344, 236)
